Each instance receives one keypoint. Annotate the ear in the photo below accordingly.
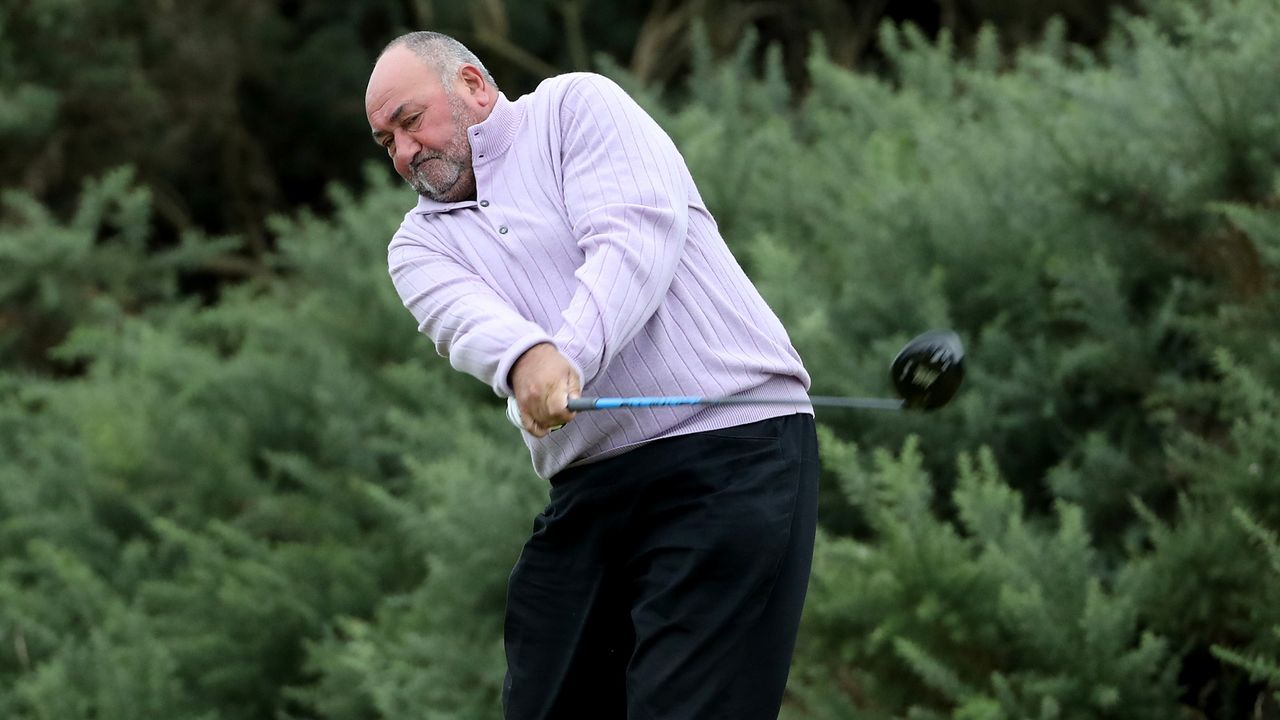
(475, 90)
(473, 82)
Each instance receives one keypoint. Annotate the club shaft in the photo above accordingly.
(607, 403)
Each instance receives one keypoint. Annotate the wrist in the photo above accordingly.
(528, 358)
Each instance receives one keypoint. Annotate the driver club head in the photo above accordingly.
(928, 370)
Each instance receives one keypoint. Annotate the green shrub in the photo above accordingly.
(278, 502)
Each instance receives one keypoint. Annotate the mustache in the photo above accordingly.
(422, 157)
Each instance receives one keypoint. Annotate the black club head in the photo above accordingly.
(928, 370)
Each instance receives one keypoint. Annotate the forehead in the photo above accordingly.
(399, 76)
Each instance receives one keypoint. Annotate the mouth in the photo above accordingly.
(416, 164)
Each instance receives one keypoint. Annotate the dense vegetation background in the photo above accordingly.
(234, 484)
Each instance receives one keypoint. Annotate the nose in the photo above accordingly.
(406, 147)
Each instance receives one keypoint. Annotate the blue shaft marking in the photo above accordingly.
(606, 403)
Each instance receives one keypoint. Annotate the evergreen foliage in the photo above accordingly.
(998, 615)
(276, 501)
(223, 485)
(1265, 667)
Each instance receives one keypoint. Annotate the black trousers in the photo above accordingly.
(667, 583)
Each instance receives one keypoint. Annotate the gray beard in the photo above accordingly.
(453, 179)
(446, 183)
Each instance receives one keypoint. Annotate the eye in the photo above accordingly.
(413, 121)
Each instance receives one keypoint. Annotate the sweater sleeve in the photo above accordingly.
(469, 322)
(626, 193)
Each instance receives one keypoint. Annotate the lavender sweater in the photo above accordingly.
(587, 232)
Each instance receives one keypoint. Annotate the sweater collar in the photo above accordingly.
(490, 139)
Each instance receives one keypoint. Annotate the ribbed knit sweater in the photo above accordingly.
(587, 232)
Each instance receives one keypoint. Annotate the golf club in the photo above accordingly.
(926, 374)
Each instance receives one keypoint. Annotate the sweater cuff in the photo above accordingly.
(502, 384)
(502, 378)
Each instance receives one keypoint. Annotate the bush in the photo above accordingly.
(278, 502)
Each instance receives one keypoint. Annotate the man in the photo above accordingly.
(559, 244)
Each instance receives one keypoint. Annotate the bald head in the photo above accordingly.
(440, 52)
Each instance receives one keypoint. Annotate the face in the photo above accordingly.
(422, 123)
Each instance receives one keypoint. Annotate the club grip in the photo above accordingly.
(582, 403)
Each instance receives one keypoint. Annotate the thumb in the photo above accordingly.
(575, 385)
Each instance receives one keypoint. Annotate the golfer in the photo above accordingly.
(559, 244)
